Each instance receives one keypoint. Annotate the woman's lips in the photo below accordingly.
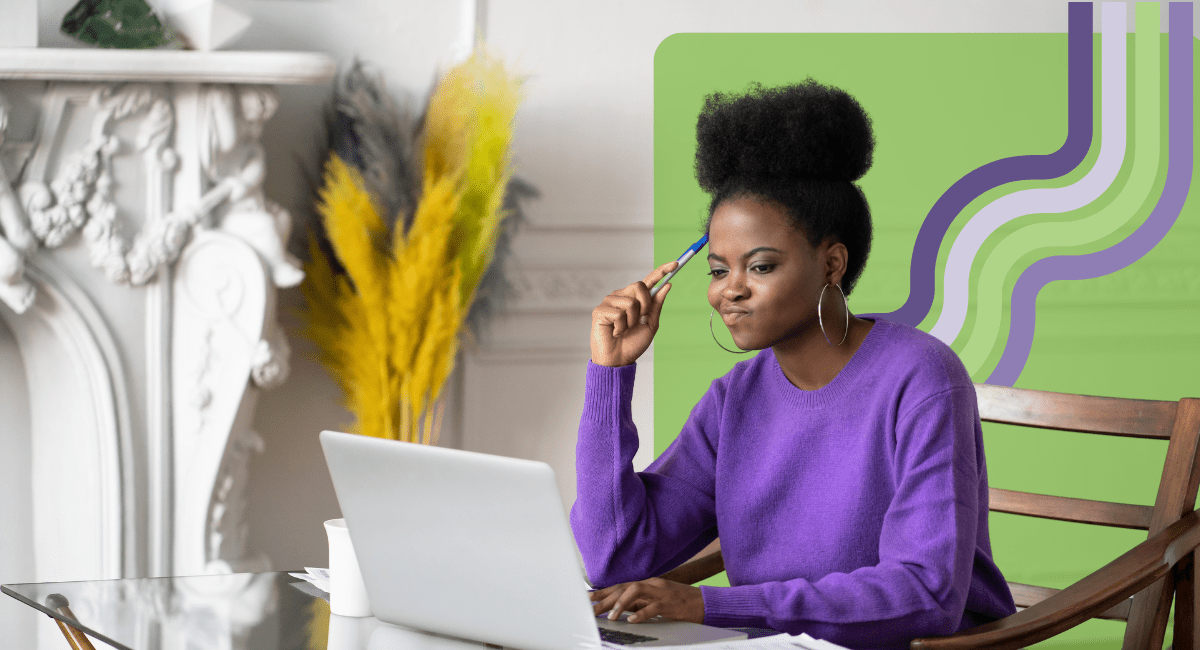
(731, 317)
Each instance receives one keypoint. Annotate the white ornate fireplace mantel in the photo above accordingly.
(139, 260)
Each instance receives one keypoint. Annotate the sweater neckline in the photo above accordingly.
(842, 385)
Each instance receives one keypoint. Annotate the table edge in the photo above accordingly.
(55, 615)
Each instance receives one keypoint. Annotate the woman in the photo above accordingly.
(842, 465)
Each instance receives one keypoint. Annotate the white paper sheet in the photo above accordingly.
(319, 578)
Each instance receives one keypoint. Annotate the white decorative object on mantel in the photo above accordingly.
(206, 24)
(139, 260)
(19, 24)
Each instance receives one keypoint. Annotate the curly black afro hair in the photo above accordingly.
(802, 146)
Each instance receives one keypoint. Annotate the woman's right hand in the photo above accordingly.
(625, 322)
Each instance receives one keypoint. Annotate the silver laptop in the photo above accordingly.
(475, 546)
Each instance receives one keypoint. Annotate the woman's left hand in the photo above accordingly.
(650, 598)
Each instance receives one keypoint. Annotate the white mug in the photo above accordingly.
(347, 593)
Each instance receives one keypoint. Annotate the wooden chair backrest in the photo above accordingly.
(1176, 422)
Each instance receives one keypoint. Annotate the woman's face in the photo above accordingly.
(765, 269)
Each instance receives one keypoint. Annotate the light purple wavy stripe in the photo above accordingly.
(921, 278)
(1145, 238)
(956, 279)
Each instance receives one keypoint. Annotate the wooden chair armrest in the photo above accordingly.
(697, 569)
(1133, 571)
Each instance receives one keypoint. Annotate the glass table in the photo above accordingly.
(240, 611)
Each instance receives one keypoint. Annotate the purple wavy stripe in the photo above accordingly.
(1146, 237)
(1006, 170)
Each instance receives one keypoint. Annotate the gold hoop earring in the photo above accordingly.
(714, 335)
(821, 322)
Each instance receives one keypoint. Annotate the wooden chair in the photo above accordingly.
(1137, 586)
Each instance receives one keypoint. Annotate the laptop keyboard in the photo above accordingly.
(623, 638)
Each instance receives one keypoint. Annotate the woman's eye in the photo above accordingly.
(761, 268)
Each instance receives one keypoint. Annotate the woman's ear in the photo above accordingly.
(835, 257)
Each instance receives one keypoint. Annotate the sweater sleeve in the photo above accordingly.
(635, 525)
(926, 547)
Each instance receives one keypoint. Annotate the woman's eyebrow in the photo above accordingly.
(713, 256)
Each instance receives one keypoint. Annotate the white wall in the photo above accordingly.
(584, 139)
(16, 506)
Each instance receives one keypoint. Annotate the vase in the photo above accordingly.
(206, 24)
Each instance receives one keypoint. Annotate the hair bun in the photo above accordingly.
(803, 130)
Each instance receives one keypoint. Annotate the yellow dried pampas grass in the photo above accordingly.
(388, 329)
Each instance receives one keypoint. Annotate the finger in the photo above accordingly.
(600, 594)
(608, 317)
(657, 274)
(606, 603)
(610, 601)
(645, 302)
(656, 310)
(628, 597)
(597, 597)
(646, 613)
(637, 605)
(641, 289)
(618, 310)
(626, 314)
(633, 311)
(631, 607)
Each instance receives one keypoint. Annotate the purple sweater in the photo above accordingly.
(856, 512)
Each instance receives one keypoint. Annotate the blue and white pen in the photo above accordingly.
(682, 260)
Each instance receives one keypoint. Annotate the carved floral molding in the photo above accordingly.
(134, 226)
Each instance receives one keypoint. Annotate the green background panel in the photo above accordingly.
(943, 105)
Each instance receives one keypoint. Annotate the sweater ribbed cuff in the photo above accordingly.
(744, 606)
(607, 390)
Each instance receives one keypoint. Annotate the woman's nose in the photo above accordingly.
(735, 287)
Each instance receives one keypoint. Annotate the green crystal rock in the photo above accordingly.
(127, 24)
